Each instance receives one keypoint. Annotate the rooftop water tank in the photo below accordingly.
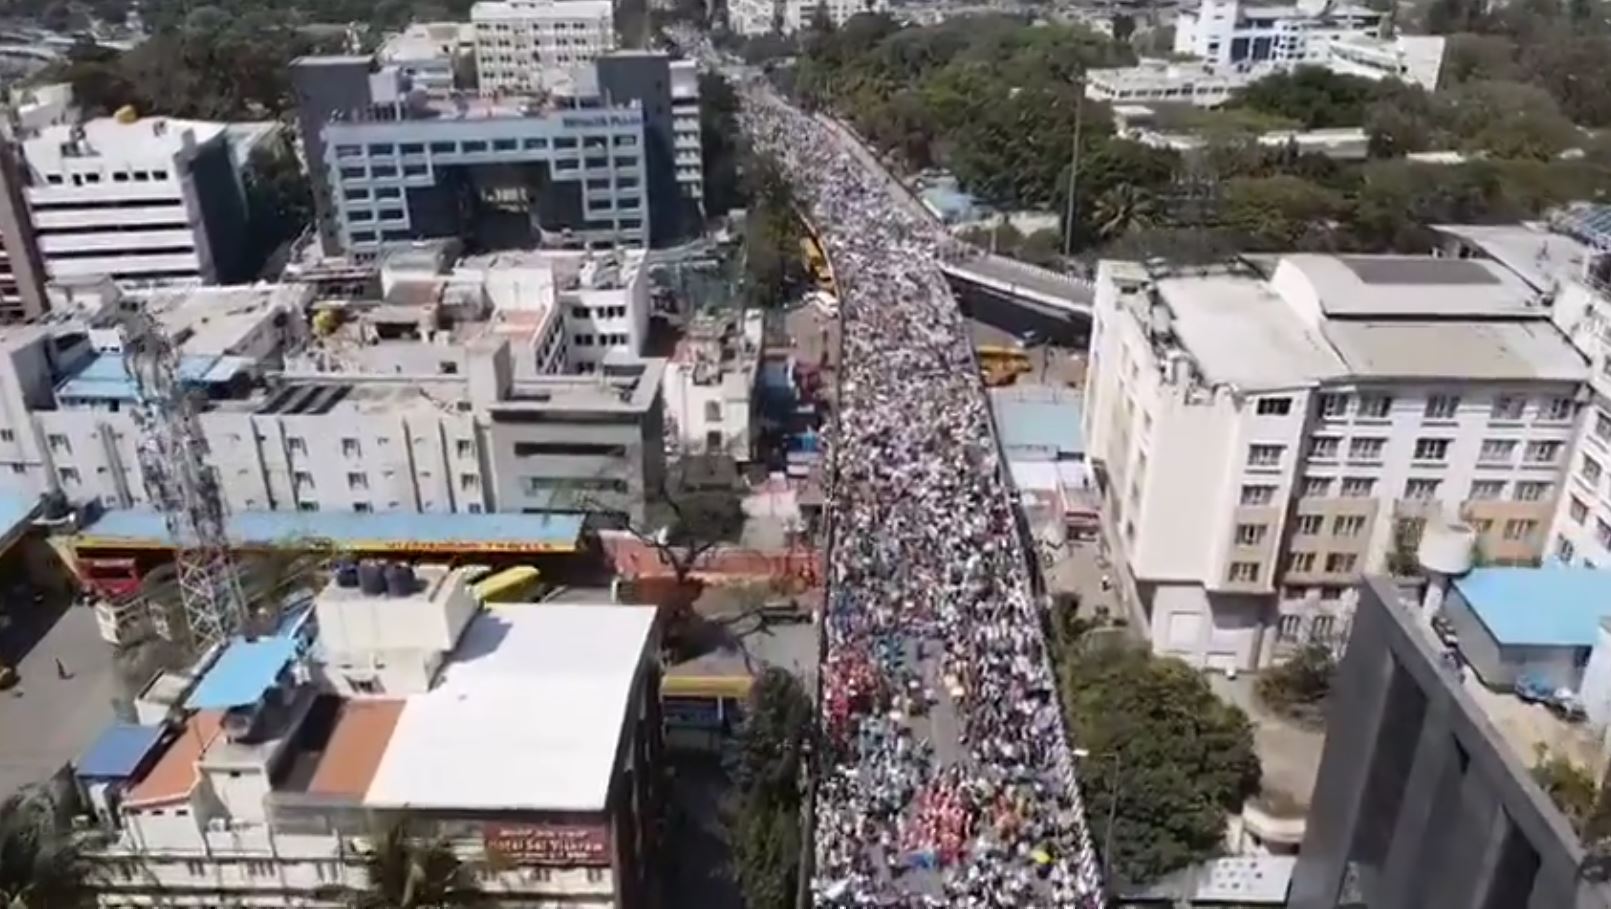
(400, 579)
(372, 578)
(1446, 549)
(346, 574)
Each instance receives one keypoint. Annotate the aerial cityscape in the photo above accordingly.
(805, 454)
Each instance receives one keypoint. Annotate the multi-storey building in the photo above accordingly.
(1411, 59)
(528, 740)
(434, 400)
(429, 53)
(710, 387)
(1266, 432)
(520, 45)
(22, 271)
(591, 163)
(760, 17)
(1568, 262)
(1230, 33)
(145, 201)
(687, 143)
(1166, 81)
(1426, 794)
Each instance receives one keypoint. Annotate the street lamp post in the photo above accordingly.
(1113, 809)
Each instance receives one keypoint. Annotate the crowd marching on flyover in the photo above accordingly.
(948, 779)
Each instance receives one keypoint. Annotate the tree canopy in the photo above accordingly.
(42, 863)
(763, 816)
(1168, 755)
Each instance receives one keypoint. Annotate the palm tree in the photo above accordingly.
(409, 873)
(42, 864)
(1122, 208)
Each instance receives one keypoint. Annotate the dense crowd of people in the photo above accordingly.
(948, 779)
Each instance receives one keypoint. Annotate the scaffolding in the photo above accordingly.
(181, 484)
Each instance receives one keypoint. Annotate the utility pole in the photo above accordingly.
(1074, 169)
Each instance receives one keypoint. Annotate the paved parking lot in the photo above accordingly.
(46, 720)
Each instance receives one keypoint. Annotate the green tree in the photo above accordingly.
(772, 234)
(721, 143)
(763, 817)
(42, 862)
(1168, 755)
(1571, 787)
(1298, 688)
(409, 873)
(1280, 212)
(1123, 208)
(1311, 95)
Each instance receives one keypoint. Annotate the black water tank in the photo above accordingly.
(372, 578)
(399, 579)
(346, 574)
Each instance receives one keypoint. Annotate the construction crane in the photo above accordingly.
(181, 483)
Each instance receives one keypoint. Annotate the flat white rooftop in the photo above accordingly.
(1411, 286)
(527, 715)
(1242, 333)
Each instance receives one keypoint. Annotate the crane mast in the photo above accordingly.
(181, 483)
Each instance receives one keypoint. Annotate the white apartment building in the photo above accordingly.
(710, 387)
(1411, 59)
(1568, 261)
(1168, 81)
(687, 145)
(519, 44)
(1265, 433)
(433, 404)
(761, 17)
(528, 738)
(145, 201)
(1230, 33)
(428, 52)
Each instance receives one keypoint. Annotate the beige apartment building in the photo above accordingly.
(1267, 431)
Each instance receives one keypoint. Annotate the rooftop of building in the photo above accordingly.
(1292, 320)
(1537, 252)
(541, 9)
(426, 41)
(346, 747)
(143, 139)
(175, 774)
(1041, 418)
(1152, 72)
(368, 531)
(1554, 606)
(119, 751)
(567, 672)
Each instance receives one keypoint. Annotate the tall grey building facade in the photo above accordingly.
(1420, 803)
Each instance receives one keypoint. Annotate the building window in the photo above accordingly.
(465, 448)
(1307, 525)
(1348, 525)
(713, 411)
(196, 869)
(1244, 572)
(595, 875)
(1602, 532)
(1366, 449)
(302, 480)
(351, 449)
(1250, 534)
(296, 445)
(1520, 528)
(1496, 451)
(1602, 426)
(1321, 628)
(1258, 495)
(1484, 490)
(1420, 490)
(1375, 407)
(1324, 448)
(1532, 490)
(1341, 563)
(69, 476)
(1543, 452)
(1480, 525)
(357, 481)
(1301, 562)
(1431, 449)
(1333, 404)
(1577, 510)
(1287, 628)
(1274, 407)
(1316, 487)
(1591, 471)
(1508, 407)
(1358, 487)
(1442, 407)
(59, 443)
(7, 435)
(1564, 550)
(470, 482)
(1556, 409)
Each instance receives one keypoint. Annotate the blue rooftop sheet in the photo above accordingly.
(15, 508)
(1052, 425)
(1542, 607)
(391, 528)
(118, 751)
(106, 376)
(242, 673)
